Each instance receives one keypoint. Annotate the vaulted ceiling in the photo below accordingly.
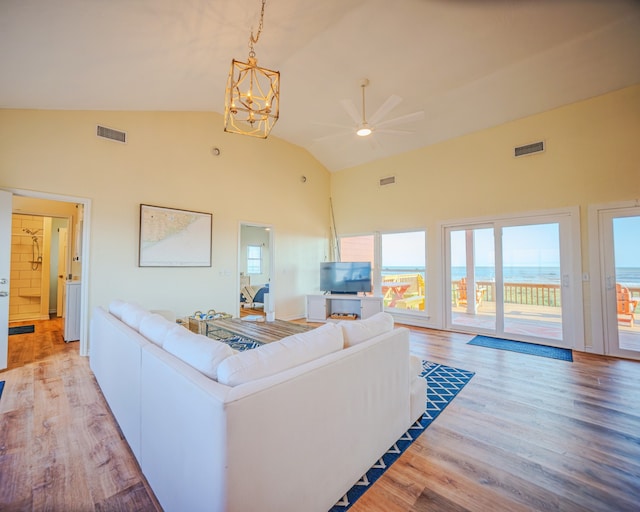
(467, 64)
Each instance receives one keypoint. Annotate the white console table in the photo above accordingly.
(321, 307)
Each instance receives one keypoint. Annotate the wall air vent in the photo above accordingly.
(111, 134)
(389, 180)
(529, 149)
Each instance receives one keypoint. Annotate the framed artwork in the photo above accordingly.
(174, 238)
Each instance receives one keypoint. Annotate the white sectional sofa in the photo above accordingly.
(288, 426)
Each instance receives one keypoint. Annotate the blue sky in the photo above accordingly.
(626, 244)
(532, 246)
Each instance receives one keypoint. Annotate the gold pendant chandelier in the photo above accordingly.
(252, 96)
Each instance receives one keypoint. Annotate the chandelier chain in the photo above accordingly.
(254, 39)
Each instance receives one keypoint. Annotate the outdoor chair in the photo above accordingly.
(461, 295)
(626, 305)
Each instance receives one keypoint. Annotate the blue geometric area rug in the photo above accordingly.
(443, 384)
(236, 342)
(524, 348)
(241, 343)
(1, 387)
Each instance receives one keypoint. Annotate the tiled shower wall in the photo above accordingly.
(26, 281)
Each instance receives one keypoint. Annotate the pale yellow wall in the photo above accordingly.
(168, 162)
(591, 157)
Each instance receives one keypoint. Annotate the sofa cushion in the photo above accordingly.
(115, 308)
(357, 331)
(280, 355)
(204, 354)
(155, 328)
(132, 315)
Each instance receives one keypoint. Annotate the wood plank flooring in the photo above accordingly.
(527, 433)
(60, 448)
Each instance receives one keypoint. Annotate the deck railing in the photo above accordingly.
(534, 294)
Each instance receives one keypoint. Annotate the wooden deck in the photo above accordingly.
(527, 433)
(532, 320)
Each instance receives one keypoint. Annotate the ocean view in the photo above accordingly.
(628, 276)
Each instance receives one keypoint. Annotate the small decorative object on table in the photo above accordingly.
(198, 321)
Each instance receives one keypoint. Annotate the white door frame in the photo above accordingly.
(603, 340)
(86, 237)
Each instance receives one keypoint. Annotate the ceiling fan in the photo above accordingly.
(376, 124)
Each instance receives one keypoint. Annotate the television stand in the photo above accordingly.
(333, 308)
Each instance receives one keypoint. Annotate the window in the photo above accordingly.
(254, 259)
(403, 270)
(399, 263)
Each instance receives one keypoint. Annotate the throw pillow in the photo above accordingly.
(280, 355)
(204, 354)
(357, 331)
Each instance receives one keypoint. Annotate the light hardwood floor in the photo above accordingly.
(526, 433)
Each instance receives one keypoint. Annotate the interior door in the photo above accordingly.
(620, 232)
(6, 199)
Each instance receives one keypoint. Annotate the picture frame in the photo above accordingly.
(171, 237)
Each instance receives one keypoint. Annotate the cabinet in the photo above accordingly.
(320, 308)
(72, 311)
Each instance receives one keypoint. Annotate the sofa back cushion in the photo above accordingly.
(204, 354)
(115, 308)
(280, 355)
(357, 331)
(132, 314)
(155, 328)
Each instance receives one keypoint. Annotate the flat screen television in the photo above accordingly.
(345, 276)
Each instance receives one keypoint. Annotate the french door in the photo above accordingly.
(620, 280)
(511, 278)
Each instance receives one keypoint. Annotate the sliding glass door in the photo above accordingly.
(505, 278)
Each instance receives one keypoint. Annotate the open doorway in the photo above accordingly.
(255, 262)
(56, 247)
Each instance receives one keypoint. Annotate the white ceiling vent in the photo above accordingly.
(389, 180)
(111, 134)
(529, 149)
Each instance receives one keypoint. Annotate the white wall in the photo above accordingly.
(168, 162)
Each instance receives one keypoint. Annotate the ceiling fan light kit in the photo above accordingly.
(252, 96)
(376, 124)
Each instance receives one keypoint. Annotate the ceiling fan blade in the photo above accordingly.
(392, 102)
(408, 118)
(350, 108)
